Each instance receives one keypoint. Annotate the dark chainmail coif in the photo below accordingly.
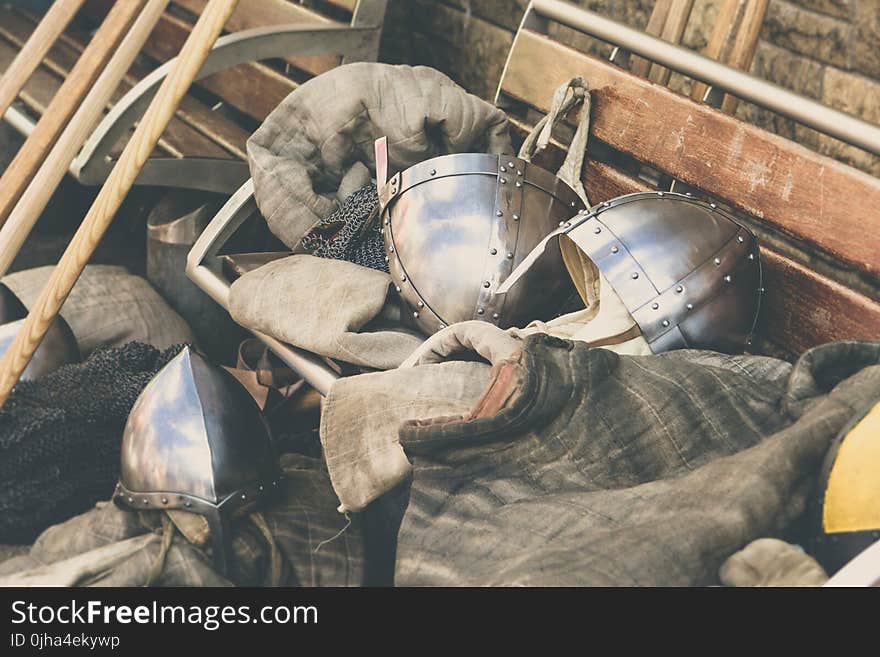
(351, 232)
(60, 437)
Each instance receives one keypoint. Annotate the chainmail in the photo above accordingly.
(351, 232)
(60, 437)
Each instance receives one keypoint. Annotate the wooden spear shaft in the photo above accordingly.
(122, 177)
(35, 48)
(64, 103)
(34, 200)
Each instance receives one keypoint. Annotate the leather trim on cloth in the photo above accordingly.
(583, 467)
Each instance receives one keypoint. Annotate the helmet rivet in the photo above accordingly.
(502, 180)
(390, 249)
(614, 249)
(387, 258)
(679, 289)
(493, 251)
(146, 501)
(510, 164)
(499, 213)
(717, 261)
(740, 239)
(244, 496)
(403, 278)
(635, 275)
(164, 500)
(415, 314)
(655, 306)
(519, 172)
(487, 284)
(597, 230)
(562, 223)
(573, 204)
(480, 311)
(516, 217)
(274, 483)
(397, 287)
(659, 193)
(606, 204)
(387, 222)
(510, 255)
(130, 500)
(433, 172)
(442, 325)
(751, 256)
(502, 169)
(688, 194)
(690, 306)
(421, 304)
(518, 183)
(187, 504)
(261, 486)
(665, 322)
(713, 206)
(728, 278)
(495, 315)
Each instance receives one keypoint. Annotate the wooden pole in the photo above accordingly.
(32, 53)
(32, 203)
(122, 177)
(65, 101)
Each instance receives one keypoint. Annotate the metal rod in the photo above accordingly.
(765, 94)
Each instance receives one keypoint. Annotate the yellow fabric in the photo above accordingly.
(852, 497)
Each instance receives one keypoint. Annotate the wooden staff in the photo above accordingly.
(122, 177)
(33, 51)
(32, 203)
(65, 101)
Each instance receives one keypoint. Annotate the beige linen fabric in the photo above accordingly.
(108, 307)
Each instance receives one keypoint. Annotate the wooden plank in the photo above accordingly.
(178, 141)
(40, 87)
(641, 66)
(800, 308)
(254, 89)
(82, 76)
(56, 18)
(809, 196)
(260, 13)
(733, 41)
(673, 29)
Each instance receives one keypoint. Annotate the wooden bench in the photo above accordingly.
(271, 47)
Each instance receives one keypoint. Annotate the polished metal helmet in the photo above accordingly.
(57, 348)
(455, 226)
(687, 271)
(195, 441)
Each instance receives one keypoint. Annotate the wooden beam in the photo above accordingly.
(812, 197)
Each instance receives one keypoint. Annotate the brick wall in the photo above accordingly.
(825, 49)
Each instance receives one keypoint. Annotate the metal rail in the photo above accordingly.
(765, 94)
(203, 269)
